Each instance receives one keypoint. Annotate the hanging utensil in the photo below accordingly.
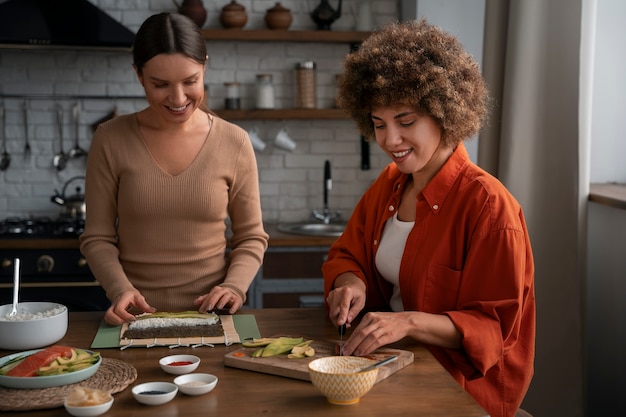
(26, 143)
(76, 151)
(60, 159)
(5, 160)
(16, 286)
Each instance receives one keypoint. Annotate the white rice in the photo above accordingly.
(159, 322)
(26, 315)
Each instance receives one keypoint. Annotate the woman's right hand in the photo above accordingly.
(119, 313)
(346, 299)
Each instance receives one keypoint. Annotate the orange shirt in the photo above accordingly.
(469, 257)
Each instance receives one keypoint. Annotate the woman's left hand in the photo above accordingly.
(219, 298)
(376, 329)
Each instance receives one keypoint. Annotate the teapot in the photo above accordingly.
(72, 207)
(324, 15)
(193, 9)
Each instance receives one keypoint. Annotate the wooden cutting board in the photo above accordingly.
(299, 368)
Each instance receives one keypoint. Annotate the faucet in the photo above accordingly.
(326, 216)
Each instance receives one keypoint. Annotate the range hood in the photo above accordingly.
(60, 24)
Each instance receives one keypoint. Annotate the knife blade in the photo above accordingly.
(342, 331)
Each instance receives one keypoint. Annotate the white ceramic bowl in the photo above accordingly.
(196, 384)
(338, 379)
(37, 324)
(155, 393)
(168, 364)
(89, 410)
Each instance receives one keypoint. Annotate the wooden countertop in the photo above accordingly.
(608, 194)
(277, 239)
(423, 388)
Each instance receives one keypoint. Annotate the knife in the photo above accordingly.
(342, 331)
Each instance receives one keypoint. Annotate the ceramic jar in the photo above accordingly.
(306, 95)
(278, 17)
(193, 9)
(264, 91)
(232, 100)
(233, 16)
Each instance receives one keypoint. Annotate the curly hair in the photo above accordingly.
(418, 65)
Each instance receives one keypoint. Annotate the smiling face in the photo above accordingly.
(174, 86)
(411, 139)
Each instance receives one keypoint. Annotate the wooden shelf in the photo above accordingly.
(280, 114)
(284, 35)
(610, 194)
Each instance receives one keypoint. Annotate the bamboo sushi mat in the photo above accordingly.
(113, 375)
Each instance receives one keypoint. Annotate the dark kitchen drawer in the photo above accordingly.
(288, 274)
(45, 265)
(287, 263)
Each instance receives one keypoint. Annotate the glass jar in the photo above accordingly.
(306, 96)
(232, 100)
(264, 92)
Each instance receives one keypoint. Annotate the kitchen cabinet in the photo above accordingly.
(354, 38)
(290, 277)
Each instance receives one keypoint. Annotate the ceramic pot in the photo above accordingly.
(193, 9)
(278, 17)
(233, 16)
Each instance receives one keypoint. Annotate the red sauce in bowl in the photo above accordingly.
(179, 363)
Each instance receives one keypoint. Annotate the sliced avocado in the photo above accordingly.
(264, 341)
(61, 360)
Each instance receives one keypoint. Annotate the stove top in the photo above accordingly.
(41, 227)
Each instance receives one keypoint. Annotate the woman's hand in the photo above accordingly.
(346, 300)
(118, 312)
(378, 329)
(219, 298)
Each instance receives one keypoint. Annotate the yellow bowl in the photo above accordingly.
(339, 380)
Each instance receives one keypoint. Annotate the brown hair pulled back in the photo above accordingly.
(168, 33)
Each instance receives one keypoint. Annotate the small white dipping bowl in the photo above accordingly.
(89, 410)
(196, 384)
(155, 393)
(166, 364)
(36, 325)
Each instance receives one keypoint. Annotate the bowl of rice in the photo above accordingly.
(36, 325)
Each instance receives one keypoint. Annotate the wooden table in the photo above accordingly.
(423, 388)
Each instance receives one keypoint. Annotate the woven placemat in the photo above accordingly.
(113, 375)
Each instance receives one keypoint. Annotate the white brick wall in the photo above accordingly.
(291, 182)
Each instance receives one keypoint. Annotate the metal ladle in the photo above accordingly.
(5, 160)
(26, 141)
(16, 286)
(60, 159)
(76, 151)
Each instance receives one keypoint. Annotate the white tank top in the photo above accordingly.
(389, 255)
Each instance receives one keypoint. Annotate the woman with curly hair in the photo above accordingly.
(437, 249)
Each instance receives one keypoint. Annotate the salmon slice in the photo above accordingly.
(64, 351)
(29, 366)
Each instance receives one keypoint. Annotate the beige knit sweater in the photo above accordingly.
(166, 235)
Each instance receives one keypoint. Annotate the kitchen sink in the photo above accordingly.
(313, 229)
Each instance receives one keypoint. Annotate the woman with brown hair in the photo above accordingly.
(162, 185)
